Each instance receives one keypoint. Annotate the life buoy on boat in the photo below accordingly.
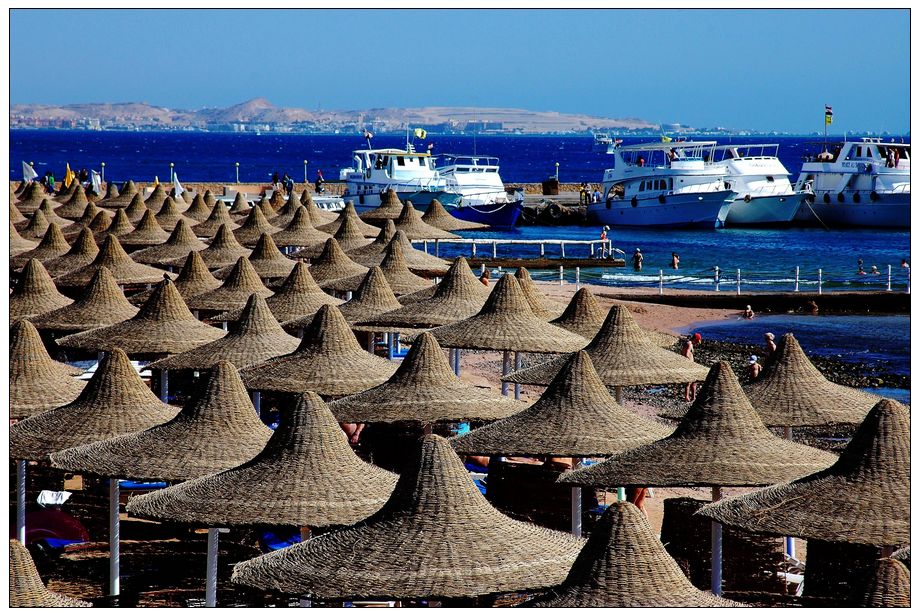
(747, 198)
(873, 196)
(634, 201)
(554, 211)
(840, 197)
(661, 199)
(856, 197)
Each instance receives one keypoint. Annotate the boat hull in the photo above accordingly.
(690, 210)
(497, 215)
(763, 211)
(891, 211)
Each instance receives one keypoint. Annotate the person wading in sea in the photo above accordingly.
(637, 260)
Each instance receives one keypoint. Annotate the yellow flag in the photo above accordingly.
(68, 176)
(156, 181)
(665, 139)
(421, 133)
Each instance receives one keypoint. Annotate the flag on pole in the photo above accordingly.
(177, 187)
(68, 176)
(666, 139)
(156, 181)
(421, 133)
(28, 173)
(828, 115)
(97, 183)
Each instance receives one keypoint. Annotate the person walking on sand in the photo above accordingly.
(637, 260)
(754, 368)
(686, 350)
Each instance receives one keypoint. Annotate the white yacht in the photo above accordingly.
(673, 184)
(765, 196)
(602, 142)
(411, 174)
(862, 183)
(484, 197)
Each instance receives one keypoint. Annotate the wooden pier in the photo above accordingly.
(552, 252)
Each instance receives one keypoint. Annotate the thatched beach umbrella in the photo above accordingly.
(36, 226)
(32, 198)
(83, 252)
(267, 210)
(100, 225)
(52, 244)
(351, 215)
(155, 199)
(583, 316)
(35, 293)
(541, 305)
(19, 244)
(416, 260)
(123, 268)
(256, 337)
(47, 208)
(375, 250)
(181, 242)
(219, 217)
(623, 564)
(223, 250)
(307, 460)
(328, 361)
(255, 226)
(389, 209)
(400, 279)
(317, 216)
(720, 442)
(102, 303)
(300, 232)
(298, 296)
(122, 197)
(148, 232)
(242, 282)
(268, 262)
(15, 214)
(792, 392)
(111, 191)
(170, 215)
(136, 209)
(437, 525)
(74, 207)
(64, 192)
(27, 588)
(283, 216)
(193, 279)
(864, 498)
(163, 325)
(373, 297)
(348, 236)
(410, 222)
(90, 211)
(889, 585)
(902, 555)
(426, 390)
(333, 264)
(198, 210)
(438, 217)
(120, 224)
(209, 199)
(37, 382)
(240, 205)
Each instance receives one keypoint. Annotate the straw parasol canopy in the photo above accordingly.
(123, 268)
(181, 242)
(147, 233)
(416, 260)
(75, 205)
(100, 224)
(163, 325)
(255, 226)
(328, 361)
(136, 209)
(37, 382)
(209, 199)
(424, 389)
(401, 280)
(390, 208)
(111, 191)
(863, 498)
(375, 250)
(459, 296)
(298, 296)
(583, 316)
(82, 253)
(317, 216)
(47, 208)
(194, 279)
(156, 198)
(32, 198)
(624, 564)
(282, 217)
(219, 217)
(266, 259)
(170, 215)
(256, 337)
(15, 214)
(223, 250)
(115, 401)
(792, 392)
(506, 323)
(437, 536)
(36, 226)
(541, 305)
(198, 210)
(349, 213)
(240, 205)
(120, 225)
(575, 416)
(307, 461)
(267, 209)
(89, 214)
(720, 442)
(348, 236)
(622, 355)
(27, 588)
(889, 585)
(52, 244)
(123, 196)
(333, 264)
(19, 244)
(903, 555)
(181, 198)
(35, 293)
(217, 429)
(102, 303)
(373, 297)
(410, 222)
(65, 191)
(438, 217)
(242, 282)
(299, 231)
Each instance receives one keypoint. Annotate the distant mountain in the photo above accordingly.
(260, 113)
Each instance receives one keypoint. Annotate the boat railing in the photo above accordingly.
(595, 249)
(765, 190)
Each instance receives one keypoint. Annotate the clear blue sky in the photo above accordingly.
(759, 69)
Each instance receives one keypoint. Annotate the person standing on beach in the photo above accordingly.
(319, 181)
(686, 350)
(636, 496)
(637, 260)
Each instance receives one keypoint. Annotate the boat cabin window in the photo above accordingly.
(401, 161)
(769, 178)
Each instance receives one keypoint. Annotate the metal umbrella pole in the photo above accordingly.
(576, 503)
(114, 539)
(716, 580)
(506, 368)
(210, 584)
(517, 366)
(21, 501)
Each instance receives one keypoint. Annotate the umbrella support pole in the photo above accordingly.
(257, 402)
(164, 386)
(21, 501)
(716, 580)
(210, 584)
(457, 362)
(621, 494)
(371, 338)
(517, 366)
(576, 503)
(506, 369)
(789, 541)
(390, 346)
(452, 360)
(114, 540)
(618, 394)
(304, 536)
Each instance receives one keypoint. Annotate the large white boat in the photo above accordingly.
(673, 184)
(765, 196)
(485, 198)
(602, 142)
(862, 183)
(411, 174)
